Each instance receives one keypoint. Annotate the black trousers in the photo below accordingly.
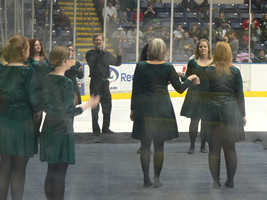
(101, 87)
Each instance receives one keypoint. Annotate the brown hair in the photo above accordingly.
(197, 51)
(222, 57)
(58, 55)
(12, 51)
(95, 36)
(42, 53)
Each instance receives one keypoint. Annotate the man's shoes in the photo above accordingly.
(191, 150)
(108, 131)
(96, 133)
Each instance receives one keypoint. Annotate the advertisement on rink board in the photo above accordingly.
(121, 77)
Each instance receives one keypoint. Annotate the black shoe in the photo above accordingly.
(191, 150)
(216, 184)
(203, 149)
(96, 133)
(229, 184)
(148, 183)
(108, 131)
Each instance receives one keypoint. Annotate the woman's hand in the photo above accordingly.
(194, 79)
(92, 102)
(132, 115)
(180, 74)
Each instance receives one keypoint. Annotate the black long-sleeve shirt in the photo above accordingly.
(99, 62)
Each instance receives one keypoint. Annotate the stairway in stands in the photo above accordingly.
(86, 26)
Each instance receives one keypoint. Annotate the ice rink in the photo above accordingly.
(256, 112)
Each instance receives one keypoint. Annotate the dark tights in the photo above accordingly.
(215, 147)
(12, 172)
(55, 181)
(157, 160)
(193, 129)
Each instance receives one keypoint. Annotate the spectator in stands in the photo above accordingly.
(128, 5)
(187, 45)
(134, 16)
(244, 41)
(165, 36)
(220, 19)
(264, 35)
(245, 23)
(222, 31)
(124, 17)
(261, 57)
(194, 33)
(226, 39)
(178, 35)
(206, 32)
(234, 44)
(255, 33)
(190, 6)
(119, 38)
(150, 34)
(42, 22)
(263, 20)
(150, 15)
(62, 22)
(117, 5)
(111, 12)
(205, 8)
(131, 35)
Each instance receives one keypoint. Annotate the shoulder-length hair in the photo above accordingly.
(13, 50)
(58, 55)
(42, 52)
(222, 58)
(197, 51)
(156, 50)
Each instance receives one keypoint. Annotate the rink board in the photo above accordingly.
(121, 78)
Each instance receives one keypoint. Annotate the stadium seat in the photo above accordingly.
(163, 15)
(191, 17)
(242, 8)
(176, 7)
(258, 15)
(160, 7)
(243, 16)
(229, 8)
(203, 18)
(236, 26)
(232, 17)
(143, 7)
(178, 17)
(259, 47)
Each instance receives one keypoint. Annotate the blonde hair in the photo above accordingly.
(197, 51)
(58, 55)
(156, 50)
(12, 51)
(222, 58)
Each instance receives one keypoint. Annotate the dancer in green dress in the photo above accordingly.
(75, 71)
(151, 107)
(225, 113)
(193, 102)
(57, 136)
(39, 63)
(17, 105)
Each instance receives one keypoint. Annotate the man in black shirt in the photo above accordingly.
(99, 61)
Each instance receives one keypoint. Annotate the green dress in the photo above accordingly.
(57, 135)
(154, 117)
(72, 74)
(17, 104)
(225, 106)
(193, 102)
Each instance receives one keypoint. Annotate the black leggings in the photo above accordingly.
(12, 172)
(55, 181)
(215, 147)
(145, 157)
(193, 129)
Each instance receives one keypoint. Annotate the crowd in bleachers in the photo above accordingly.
(191, 23)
